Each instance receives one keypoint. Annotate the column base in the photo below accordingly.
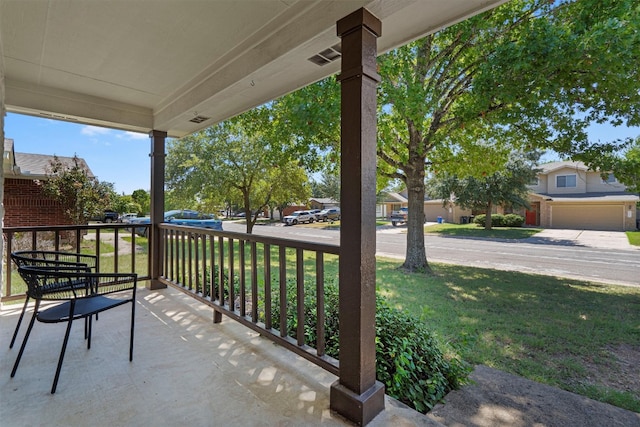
(358, 408)
(154, 284)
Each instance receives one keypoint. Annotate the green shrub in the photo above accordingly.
(513, 220)
(479, 219)
(410, 361)
(498, 220)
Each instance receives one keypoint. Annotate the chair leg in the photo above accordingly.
(15, 333)
(133, 313)
(24, 340)
(88, 336)
(64, 348)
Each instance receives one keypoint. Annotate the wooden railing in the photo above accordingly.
(102, 240)
(261, 282)
(267, 284)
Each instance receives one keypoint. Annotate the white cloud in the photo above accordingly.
(94, 130)
(136, 135)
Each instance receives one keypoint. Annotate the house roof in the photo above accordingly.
(395, 198)
(34, 166)
(181, 66)
(325, 200)
(554, 166)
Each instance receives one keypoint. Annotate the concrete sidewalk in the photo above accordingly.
(589, 238)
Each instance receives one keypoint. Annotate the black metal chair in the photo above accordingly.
(78, 295)
(49, 259)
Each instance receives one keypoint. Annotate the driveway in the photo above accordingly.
(588, 238)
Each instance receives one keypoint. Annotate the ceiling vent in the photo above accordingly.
(327, 56)
(199, 119)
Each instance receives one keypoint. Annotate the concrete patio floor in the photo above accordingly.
(185, 371)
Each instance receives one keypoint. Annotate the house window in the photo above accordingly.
(535, 181)
(565, 181)
(610, 179)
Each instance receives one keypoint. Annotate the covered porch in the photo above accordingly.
(186, 371)
(173, 68)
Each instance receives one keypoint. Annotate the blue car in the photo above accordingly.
(182, 217)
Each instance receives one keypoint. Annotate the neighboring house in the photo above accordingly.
(24, 202)
(569, 195)
(433, 208)
(565, 195)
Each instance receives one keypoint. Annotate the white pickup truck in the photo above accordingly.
(399, 217)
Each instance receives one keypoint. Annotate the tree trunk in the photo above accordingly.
(248, 219)
(487, 220)
(416, 257)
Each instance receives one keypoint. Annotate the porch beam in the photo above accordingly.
(357, 395)
(157, 206)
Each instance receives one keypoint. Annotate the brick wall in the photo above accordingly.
(25, 205)
(290, 209)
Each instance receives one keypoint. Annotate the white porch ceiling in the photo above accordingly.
(157, 64)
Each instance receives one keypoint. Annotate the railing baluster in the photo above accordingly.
(8, 263)
(300, 295)
(172, 248)
(221, 271)
(212, 267)
(97, 249)
(267, 286)
(183, 267)
(133, 250)
(203, 279)
(243, 285)
(254, 282)
(283, 291)
(231, 284)
(196, 260)
(79, 240)
(116, 247)
(320, 344)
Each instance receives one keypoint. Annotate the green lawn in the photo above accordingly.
(634, 237)
(562, 332)
(473, 230)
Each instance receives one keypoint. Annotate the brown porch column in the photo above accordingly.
(357, 395)
(157, 206)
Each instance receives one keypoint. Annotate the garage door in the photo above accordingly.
(432, 212)
(588, 217)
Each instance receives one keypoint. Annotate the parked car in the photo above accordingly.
(128, 217)
(107, 217)
(331, 214)
(299, 217)
(316, 214)
(182, 217)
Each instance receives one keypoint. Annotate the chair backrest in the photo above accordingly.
(70, 282)
(54, 258)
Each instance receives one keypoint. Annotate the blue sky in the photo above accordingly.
(122, 158)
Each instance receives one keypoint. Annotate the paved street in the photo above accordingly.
(564, 256)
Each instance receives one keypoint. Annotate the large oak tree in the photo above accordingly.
(528, 74)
